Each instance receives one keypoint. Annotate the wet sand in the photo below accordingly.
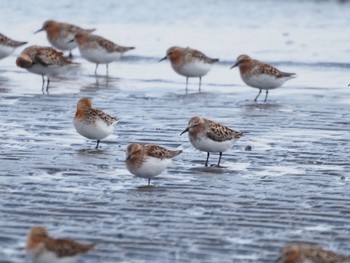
(293, 186)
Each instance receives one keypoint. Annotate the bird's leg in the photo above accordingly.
(107, 68)
(267, 92)
(98, 142)
(218, 165)
(186, 83)
(206, 162)
(219, 158)
(47, 86)
(70, 54)
(200, 84)
(96, 68)
(149, 181)
(42, 86)
(258, 95)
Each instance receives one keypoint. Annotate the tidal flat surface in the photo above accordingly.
(293, 186)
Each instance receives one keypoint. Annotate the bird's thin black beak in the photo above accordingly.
(41, 29)
(70, 41)
(163, 59)
(186, 130)
(235, 65)
(127, 158)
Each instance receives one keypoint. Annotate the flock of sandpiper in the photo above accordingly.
(188, 62)
(142, 160)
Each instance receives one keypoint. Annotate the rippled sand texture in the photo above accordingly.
(292, 186)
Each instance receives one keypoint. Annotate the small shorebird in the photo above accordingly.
(59, 34)
(260, 75)
(92, 123)
(99, 50)
(8, 46)
(189, 62)
(305, 253)
(209, 136)
(148, 160)
(41, 248)
(44, 61)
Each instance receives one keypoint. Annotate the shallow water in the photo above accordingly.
(293, 186)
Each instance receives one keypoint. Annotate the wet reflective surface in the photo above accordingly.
(293, 185)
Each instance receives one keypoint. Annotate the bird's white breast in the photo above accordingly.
(50, 257)
(206, 144)
(150, 167)
(193, 69)
(6, 51)
(97, 131)
(264, 81)
(47, 71)
(99, 55)
(63, 43)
